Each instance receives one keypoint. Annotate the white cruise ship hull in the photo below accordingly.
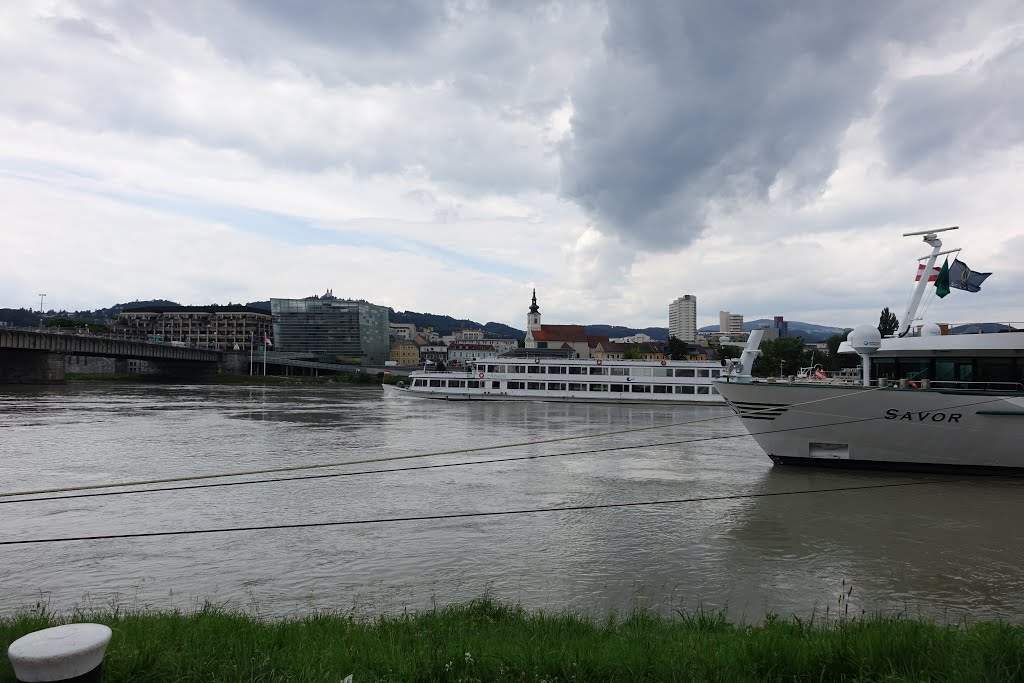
(390, 391)
(890, 428)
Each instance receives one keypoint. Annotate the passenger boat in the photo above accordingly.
(569, 380)
(925, 399)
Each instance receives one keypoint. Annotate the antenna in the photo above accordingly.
(41, 297)
(931, 232)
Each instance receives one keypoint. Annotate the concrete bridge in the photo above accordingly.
(31, 357)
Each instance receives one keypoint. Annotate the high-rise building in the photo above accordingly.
(350, 331)
(210, 327)
(730, 323)
(781, 325)
(682, 318)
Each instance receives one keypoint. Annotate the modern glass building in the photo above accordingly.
(342, 329)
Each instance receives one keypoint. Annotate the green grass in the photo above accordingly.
(485, 640)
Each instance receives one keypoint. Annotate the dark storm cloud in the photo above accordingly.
(702, 105)
(936, 125)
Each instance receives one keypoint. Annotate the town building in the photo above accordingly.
(502, 345)
(405, 352)
(345, 330)
(638, 338)
(433, 353)
(467, 335)
(460, 352)
(226, 328)
(401, 330)
(730, 323)
(781, 325)
(682, 318)
(569, 337)
(615, 351)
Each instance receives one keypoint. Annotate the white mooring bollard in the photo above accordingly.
(71, 653)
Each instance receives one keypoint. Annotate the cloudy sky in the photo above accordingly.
(449, 156)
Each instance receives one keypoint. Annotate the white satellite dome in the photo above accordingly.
(865, 339)
(931, 330)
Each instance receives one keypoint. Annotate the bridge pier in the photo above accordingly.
(22, 366)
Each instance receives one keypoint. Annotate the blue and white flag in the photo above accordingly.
(962, 277)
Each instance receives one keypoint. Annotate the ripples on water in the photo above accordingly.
(946, 549)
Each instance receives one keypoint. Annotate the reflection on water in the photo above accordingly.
(944, 548)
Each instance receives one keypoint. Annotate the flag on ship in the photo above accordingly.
(920, 271)
(958, 276)
(962, 277)
(942, 281)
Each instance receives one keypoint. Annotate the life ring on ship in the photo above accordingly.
(662, 362)
(481, 375)
(598, 361)
(536, 360)
(912, 384)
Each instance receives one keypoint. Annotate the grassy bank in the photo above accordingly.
(489, 641)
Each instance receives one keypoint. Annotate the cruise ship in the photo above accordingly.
(925, 400)
(569, 380)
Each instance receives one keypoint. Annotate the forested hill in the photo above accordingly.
(614, 331)
(445, 324)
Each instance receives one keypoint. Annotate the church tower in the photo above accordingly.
(533, 318)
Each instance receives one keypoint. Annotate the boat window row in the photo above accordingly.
(967, 373)
(567, 386)
(618, 371)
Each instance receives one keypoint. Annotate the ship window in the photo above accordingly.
(703, 372)
(684, 390)
(885, 368)
(577, 370)
(495, 385)
(687, 372)
(556, 386)
(914, 368)
(537, 370)
(556, 370)
(641, 388)
(716, 373)
(534, 386)
(619, 387)
(515, 385)
(662, 372)
(473, 384)
(456, 383)
(495, 368)
(517, 368)
(642, 372)
(703, 390)
(996, 370)
(662, 389)
(435, 382)
(714, 390)
(619, 371)
(598, 370)
(599, 387)
(577, 387)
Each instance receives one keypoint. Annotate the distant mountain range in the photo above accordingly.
(445, 324)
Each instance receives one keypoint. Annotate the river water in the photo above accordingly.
(939, 547)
